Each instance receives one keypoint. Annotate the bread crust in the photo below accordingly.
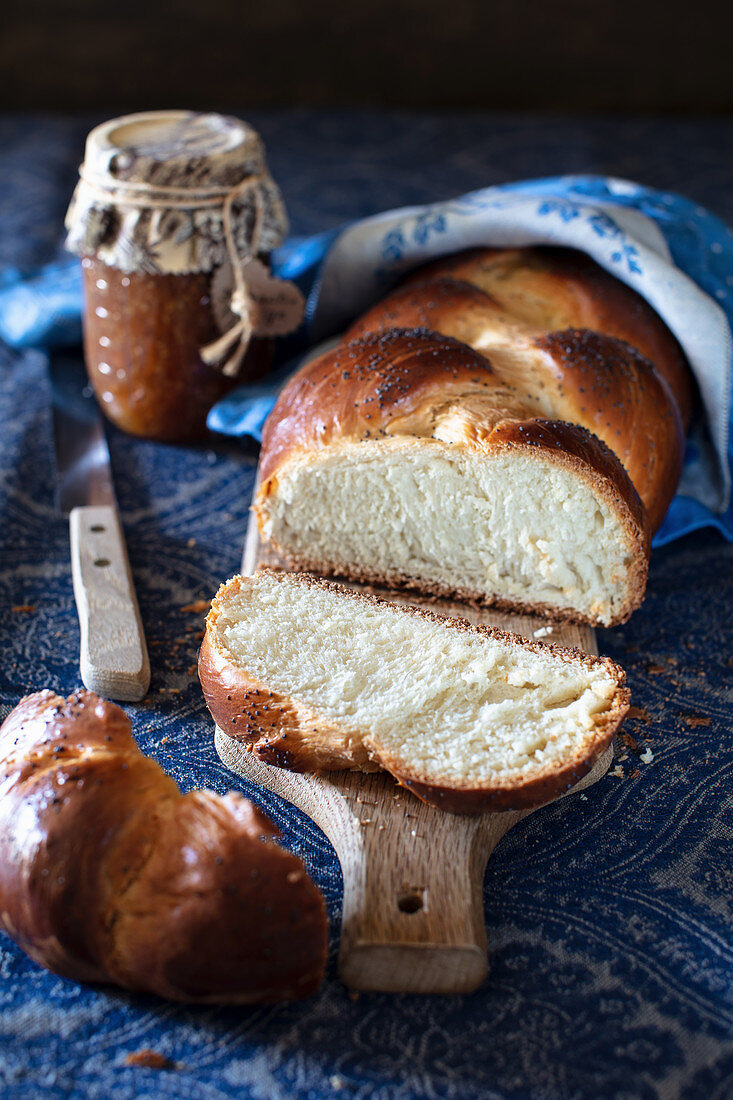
(400, 383)
(564, 288)
(109, 874)
(296, 737)
(607, 361)
(392, 381)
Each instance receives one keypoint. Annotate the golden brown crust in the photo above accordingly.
(609, 388)
(564, 288)
(108, 873)
(438, 303)
(569, 338)
(310, 736)
(358, 391)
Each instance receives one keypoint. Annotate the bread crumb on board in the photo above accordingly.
(542, 631)
(149, 1059)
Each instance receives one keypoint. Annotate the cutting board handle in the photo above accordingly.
(414, 924)
(413, 918)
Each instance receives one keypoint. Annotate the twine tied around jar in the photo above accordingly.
(140, 194)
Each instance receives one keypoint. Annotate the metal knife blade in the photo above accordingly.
(114, 657)
(82, 454)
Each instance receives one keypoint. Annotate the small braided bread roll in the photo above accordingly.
(109, 874)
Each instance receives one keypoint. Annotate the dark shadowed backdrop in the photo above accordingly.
(567, 55)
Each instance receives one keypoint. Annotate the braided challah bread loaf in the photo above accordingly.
(472, 438)
(575, 342)
(401, 459)
(109, 874)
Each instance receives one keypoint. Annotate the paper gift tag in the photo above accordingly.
(276, 306)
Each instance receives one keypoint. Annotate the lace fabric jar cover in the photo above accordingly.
(174, 218)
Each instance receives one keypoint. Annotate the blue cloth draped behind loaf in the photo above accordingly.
(608, 915)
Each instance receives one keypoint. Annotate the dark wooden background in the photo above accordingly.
(566, 55)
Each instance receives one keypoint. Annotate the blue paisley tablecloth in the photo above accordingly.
(609, 916)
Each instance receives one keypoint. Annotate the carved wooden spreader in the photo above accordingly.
(413, 919)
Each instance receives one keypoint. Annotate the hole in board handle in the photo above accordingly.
(102, 561)
(411, 901)
(97, 528)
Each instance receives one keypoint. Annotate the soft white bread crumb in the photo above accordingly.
(506, 526)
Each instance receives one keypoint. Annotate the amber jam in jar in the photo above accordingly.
(175, 217)
(142, 335)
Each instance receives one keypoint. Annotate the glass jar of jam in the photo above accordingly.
(170, 209)
(142, 335)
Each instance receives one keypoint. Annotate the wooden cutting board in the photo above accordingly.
(412, 919)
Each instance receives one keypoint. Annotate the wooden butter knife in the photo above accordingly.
(114, 657)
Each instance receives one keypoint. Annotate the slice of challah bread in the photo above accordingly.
(313, 676)
(109, 874)
(404, 459)
(576, 343)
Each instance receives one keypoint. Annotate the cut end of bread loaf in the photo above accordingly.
(314, 676)
(520, 524)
